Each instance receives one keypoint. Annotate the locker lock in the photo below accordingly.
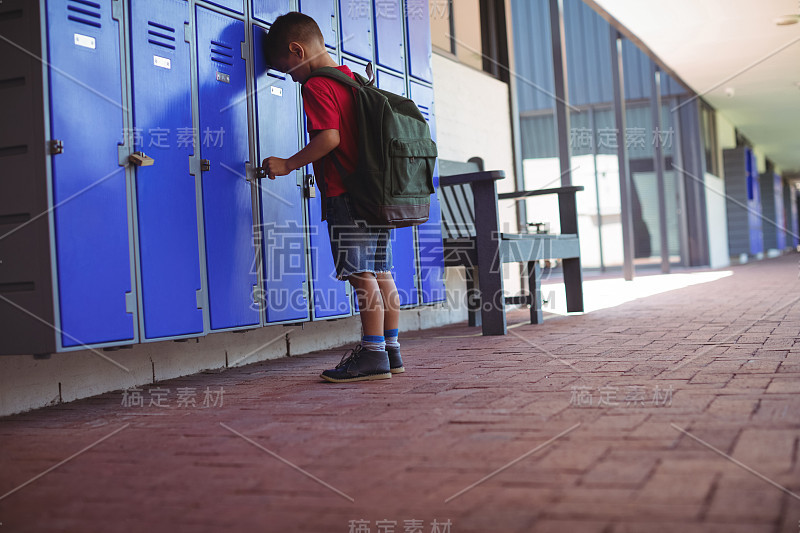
(310, 191)
(140, 159)
(259, 173)
(56, 147)
(205, 165)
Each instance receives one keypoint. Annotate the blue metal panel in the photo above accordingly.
(89, 186)
(403, 256)
(282, 234)
(269, 10)
(356, 20)
(330, 296)
(429, 234)
(754, 204)
(233, 5)
(419, 39)
(780, 224)
(533, 55)
(227, 208)
(389, 48)
(324, 12)
(357, 66)
(165, 192)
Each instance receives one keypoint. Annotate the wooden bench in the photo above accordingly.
(476, 243)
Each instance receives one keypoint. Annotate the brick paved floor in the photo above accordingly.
(618, 420)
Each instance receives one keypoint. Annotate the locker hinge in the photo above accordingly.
(123, 152)
(56, 147)
(258, 297)
(130, 302)
(198, 294)
(244, 50)
(116, 10)
(304, 286)
(187, 32)
(194, 166)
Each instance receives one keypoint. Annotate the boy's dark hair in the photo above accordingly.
(293, 26)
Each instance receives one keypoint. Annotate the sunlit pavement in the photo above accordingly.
(673, 404)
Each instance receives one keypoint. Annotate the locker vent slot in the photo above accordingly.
(221, 53)
(84, 11)
(9, 15)
(161, 35)
(6, 151)
(12, 82)
(276, 74)
(16, 218)
(17, 287)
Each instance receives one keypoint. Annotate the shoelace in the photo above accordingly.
(349, 355)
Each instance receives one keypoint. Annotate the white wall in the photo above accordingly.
(473, 118)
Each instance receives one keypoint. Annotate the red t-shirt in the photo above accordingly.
(330, 105)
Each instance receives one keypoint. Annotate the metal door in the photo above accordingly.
(356, 19)
(169, 255)
(419, 39)
(324, 12)
(268, 10)
(233, 5)
(227, 201)
(429, 234)
(389, 49)
(282, 225)
(90, 204)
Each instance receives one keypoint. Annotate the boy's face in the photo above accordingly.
(293, 63)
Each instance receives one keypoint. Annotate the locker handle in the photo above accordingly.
(205, 165)
(140, 159)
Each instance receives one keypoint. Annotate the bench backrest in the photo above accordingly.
(458, 207)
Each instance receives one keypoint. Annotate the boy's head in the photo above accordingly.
(294, 44)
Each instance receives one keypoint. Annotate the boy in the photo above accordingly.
(362, 254)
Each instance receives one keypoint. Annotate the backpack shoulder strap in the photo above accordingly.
(336, 74)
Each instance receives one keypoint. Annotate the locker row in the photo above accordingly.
(157, 114)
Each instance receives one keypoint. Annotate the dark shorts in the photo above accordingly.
(356, 246)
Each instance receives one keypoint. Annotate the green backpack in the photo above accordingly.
(393, 179)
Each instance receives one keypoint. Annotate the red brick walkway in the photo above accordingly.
(677, 412)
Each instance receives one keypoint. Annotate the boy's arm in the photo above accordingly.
(320, 145)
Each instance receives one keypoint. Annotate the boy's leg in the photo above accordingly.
(370, 302)
(391, 320)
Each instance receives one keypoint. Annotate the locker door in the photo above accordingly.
(356, 18)
(403, 248)
(419, 39)
(233, 5)
(331, 297)
(389, 34)
(754, 204)
(227, 208)
(169, 252)
(282, 231)
(268, 10)
(324, 12)
(89, 186)
(429, 234)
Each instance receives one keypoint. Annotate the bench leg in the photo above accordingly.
(493, 302)
(535, 291)
(573, 284)
(473, 298)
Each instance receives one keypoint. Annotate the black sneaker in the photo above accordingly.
(395, 361)
(359, 365)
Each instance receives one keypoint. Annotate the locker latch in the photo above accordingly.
(56, 147)
(309, 189)
(205, 165)
(140, 159)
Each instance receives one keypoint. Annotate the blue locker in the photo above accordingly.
(282, 232)
(89, 186)
(429, 234)
(324, 12)
(227, 207)
(268, 10)
(403, 249)
(234, 5)
(419, 39)
(754, 205)
(356, 19)
(389, 49)
(165, 192)
(331, 296)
